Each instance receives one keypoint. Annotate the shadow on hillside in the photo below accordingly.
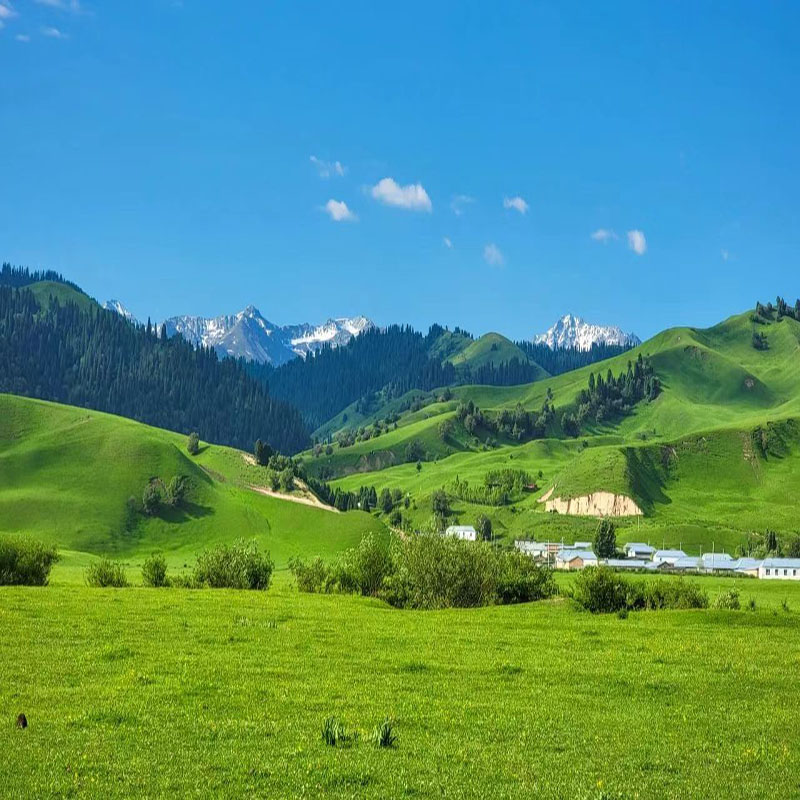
(647, 477)
(185, 512)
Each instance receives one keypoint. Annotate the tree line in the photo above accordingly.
(97, 359)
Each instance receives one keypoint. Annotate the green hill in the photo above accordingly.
(68, 474)
(491, 348)
(709, 460)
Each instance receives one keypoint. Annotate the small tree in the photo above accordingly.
(605, 539)
(152, 497)
(386, 503)
(440, 503)
(419, 466)
(445, 429)
(483, 526)
(154, 571)
(193, 444)
(286, 479)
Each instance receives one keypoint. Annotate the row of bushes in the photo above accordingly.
(240, 565)
(428, 571)
(601, 590)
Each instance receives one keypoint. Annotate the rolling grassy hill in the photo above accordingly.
(691, 458)
(67, 474)
(491, 348)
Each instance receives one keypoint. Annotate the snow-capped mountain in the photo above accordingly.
(249, 335)
(574, 332)
(115, 305)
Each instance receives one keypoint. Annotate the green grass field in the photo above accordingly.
(220, 693)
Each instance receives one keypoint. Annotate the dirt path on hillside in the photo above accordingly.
(308, 498)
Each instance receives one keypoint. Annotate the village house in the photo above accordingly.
(465, 532)
(575, 559)
(669, 557)
(687, 563)
(715, 562)
(638, 550)
(630, 563)
(538, 550)
(785, 569)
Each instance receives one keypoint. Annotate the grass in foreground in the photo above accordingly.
(154, 692)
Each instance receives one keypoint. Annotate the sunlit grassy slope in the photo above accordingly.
(66, 474)
(691, 458)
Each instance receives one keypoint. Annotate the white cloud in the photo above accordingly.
(637, 242)
(73, 5)
(493, 256)
(447, 243)
(604, 235)
(22, 37)
(459, 202)
(338, 211)
(6, 12)
(517, 203)
(412, 197)
(328, 169)
(53, 33)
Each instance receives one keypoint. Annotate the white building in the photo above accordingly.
(668, 556)
(630, 563)
(785, 569)
(465, 532)
(638, 550)
(530, 548)
(575, 559)
(747, 566)
(686, 563)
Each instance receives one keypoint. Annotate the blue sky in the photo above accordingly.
(464, 155)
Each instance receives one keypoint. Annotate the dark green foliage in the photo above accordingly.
(483, 525)
(177, 490)
(440, 503)
(603, 591)
(312, 577)
(154, 571)
(760, 341)
(25, 561)
(605, 539)
(21, 276)
(566, 359)
(414, 451)
(262, 452)
(240, 565)
(106, 573)
(609, 398)
(363, 569)
(385, 501)
(193, 444)
(334, 734)
(521, 580)
(97, 359)
(153, 496)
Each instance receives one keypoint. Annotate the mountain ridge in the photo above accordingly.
(571, 331)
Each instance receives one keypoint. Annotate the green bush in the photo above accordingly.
(105, 572)
(520, 580)
(238, 566)
(602, 591)
(154, 571)
(728, 600)
(25, 562)
(363, 569)
(312, 577)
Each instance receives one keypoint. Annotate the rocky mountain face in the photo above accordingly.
(574, 332)
(115, 305)
(249, 335)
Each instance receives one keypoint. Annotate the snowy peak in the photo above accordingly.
(248, 334)
(574, 332)
(115, 305)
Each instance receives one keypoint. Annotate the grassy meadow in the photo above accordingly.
(179, 692)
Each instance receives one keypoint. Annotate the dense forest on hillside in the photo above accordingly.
(398, 359)
(99, 360)
(320, 386)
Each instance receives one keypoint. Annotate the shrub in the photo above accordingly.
(728, 600)
(661, 594)
(154, 571)
(363, 568)
(751, 604)
(383, 735)
(106, 572)
(240, 565)
(311, 577)
(193, 444)
(177, 490)
(152, 497)
(520, 580)
(25, 562)
(601, 590)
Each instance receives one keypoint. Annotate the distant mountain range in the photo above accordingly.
(574, 332)
(248, 334)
